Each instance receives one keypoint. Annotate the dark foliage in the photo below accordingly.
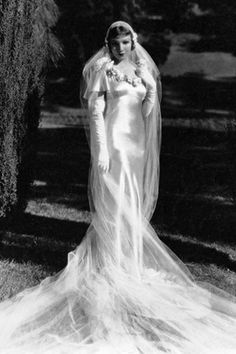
(26, 45)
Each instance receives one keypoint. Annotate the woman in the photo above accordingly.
(122, 290)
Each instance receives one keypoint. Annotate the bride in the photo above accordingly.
(122, 290)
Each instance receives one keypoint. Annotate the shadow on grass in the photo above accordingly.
(41, 240)
(197, 184)
(194, 96)
(199, 253)
(52, 224)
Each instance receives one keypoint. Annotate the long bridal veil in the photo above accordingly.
(122, 291)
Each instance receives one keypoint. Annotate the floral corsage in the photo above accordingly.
(116, 75)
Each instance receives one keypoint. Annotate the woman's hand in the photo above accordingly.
(144, 74)
(103, 161)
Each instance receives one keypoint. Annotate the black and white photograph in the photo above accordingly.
(117, 177)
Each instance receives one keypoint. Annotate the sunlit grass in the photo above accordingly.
(15, 276)
(220, 277)
(43, 207)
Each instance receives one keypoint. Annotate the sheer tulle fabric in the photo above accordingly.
(122, 290)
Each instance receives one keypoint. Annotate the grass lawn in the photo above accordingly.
(195, 215)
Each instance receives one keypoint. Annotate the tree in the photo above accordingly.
(26, 45)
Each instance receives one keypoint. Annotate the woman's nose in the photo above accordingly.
(120, 46)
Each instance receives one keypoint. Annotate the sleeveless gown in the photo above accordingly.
(122, 290)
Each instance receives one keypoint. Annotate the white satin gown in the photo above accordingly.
(122, 291)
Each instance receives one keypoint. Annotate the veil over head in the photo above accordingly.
(138, 53)
(152, 123)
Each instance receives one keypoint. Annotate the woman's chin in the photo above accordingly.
(120, 58)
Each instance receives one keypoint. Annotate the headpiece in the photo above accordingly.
(125, 25)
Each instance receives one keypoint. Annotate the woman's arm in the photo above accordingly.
(149, 101)
(96, 106)
(153, 87)
(153, 92)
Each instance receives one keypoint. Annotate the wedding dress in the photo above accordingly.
(122, 290)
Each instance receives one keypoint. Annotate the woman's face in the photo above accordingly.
(121, 47)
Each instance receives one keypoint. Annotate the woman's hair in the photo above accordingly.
(118, 31)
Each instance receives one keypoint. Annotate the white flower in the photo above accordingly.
(101, 62)
(109, 64)
(136, 81)
(141, 63)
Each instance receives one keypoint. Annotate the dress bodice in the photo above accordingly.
(124, 121)
(124, 101)
(124, 89)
